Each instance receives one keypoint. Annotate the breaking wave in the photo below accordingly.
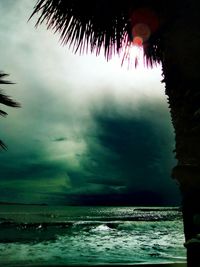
(90, 236)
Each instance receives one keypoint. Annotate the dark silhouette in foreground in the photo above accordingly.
(169, 34)
(5, 100)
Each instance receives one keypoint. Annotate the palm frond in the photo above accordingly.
(96, 25)
(2, 76)
(99, 29)
(3, 113)
(6, 100)
(2, 145)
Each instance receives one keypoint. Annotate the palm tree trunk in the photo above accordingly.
(181, 76)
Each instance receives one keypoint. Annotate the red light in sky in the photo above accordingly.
(138, 41)
(141, 30)
(144, 22)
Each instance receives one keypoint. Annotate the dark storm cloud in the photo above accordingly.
(128, 159)
(60, 139)
(31, 170)
(138, 198)
(88, 132)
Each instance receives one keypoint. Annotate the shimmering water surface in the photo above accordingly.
(47, 235)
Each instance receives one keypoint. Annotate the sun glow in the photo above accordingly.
(133, 53)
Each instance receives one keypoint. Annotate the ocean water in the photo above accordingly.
(58, 235)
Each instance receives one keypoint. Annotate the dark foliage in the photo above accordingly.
(91, 25)
(5, 100)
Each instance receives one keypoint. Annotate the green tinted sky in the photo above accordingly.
(88, 132)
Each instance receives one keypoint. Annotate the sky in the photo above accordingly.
(89, 132)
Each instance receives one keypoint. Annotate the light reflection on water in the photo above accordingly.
(68, 235)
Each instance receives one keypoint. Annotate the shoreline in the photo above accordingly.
(180, 264)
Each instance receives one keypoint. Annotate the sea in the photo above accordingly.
(42, 235)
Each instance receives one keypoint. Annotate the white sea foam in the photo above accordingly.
(93, 241)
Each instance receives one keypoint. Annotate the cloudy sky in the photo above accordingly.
(89, 131)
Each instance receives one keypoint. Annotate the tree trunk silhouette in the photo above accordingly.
(181, 76)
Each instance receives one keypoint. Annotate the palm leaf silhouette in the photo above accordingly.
(6, 100)
(95, 25)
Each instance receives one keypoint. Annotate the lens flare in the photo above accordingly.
(144, 22)
(141, 31)
(137, 41)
